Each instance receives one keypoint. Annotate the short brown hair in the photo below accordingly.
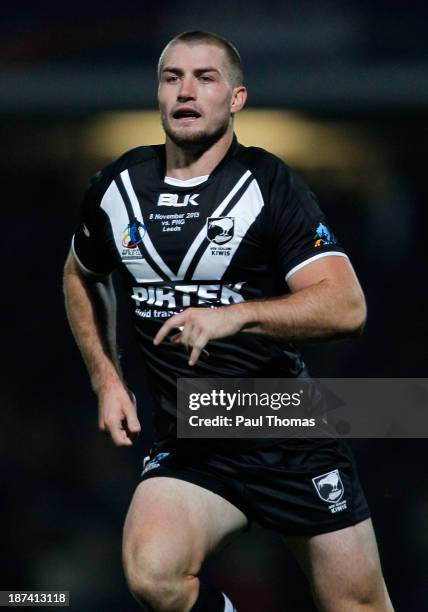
(195, 37)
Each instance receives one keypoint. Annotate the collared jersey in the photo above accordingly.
(238, 235)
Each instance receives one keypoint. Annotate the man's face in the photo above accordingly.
(195, 94)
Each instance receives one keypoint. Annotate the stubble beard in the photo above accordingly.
(198, 141)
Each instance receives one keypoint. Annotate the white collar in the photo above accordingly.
(192, 182)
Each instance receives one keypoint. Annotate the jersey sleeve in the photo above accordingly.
(93, 243)
(299, 229)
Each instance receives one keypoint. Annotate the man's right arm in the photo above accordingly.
(91, 309)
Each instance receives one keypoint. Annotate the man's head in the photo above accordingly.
(200, 88)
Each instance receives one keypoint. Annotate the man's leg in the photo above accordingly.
(171, 527)
(344, 570)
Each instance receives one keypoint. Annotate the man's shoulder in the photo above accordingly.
(265, 166)
(138, 155)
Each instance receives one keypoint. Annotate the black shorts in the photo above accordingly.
(293, 486)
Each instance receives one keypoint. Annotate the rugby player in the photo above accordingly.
(228, 259)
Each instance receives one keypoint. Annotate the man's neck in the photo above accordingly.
(184, 165)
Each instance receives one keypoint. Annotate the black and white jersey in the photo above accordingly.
(238, 235)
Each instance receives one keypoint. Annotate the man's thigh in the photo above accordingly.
(173, 525)
(343, 568)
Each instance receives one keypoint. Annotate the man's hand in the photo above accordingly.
(200, 325)
(117, 415)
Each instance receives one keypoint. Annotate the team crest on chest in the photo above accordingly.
(220, 229)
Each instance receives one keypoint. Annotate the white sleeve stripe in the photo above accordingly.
(228, 606)
(84, 268)
(314, 258)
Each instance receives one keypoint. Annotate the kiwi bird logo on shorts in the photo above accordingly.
(329, 487)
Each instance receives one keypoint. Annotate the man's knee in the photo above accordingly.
(366, 591)
(155, 584)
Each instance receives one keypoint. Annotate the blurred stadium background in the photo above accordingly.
(339, 90)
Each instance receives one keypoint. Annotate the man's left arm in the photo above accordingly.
(326, 301)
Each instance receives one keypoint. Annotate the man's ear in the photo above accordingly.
(239, 98)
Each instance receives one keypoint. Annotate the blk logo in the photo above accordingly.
(172, 199)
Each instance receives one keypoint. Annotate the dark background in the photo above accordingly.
(357, 71)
